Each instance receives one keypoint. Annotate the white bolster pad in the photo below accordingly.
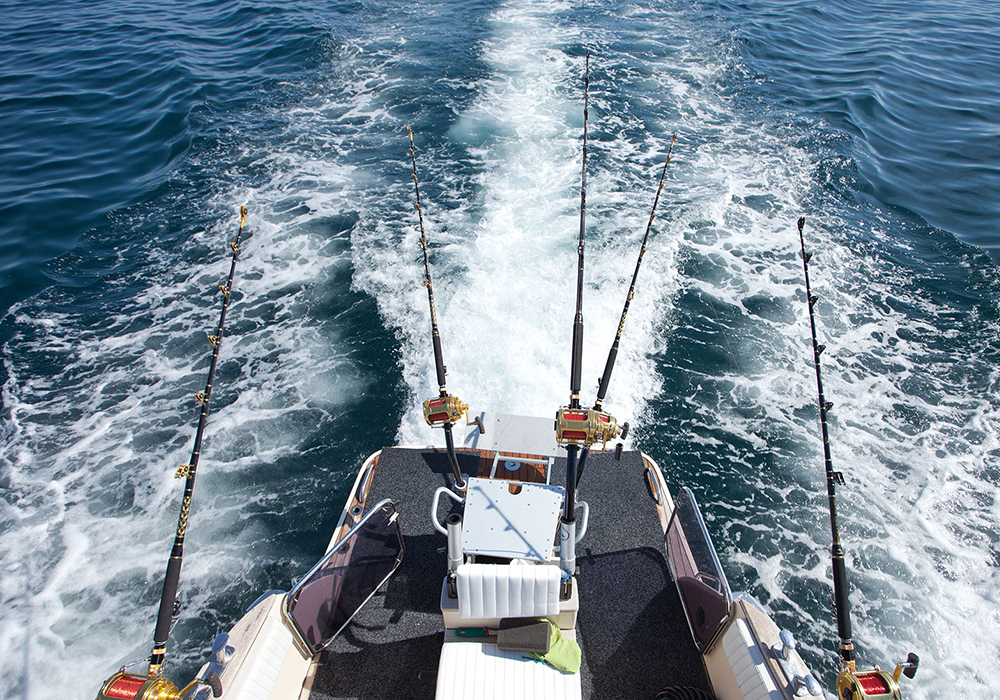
(502, 590)
(748, 664)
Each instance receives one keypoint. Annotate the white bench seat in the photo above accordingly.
(471, 670)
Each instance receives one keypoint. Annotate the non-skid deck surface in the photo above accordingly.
(631, 626)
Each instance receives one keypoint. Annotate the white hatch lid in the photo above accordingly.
(514, 434)
(520, 525)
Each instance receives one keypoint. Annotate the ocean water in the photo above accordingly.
(130, 133)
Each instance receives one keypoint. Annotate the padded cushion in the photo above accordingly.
(267, 656)
(503, 590)
(748, 663)
(481, 671)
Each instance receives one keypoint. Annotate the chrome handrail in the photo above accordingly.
(658, 494)
(586, 520)
(434, 506)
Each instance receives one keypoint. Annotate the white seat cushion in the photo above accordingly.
(503, 590)
(472, 670)
(270, 650)
(267, 665)
(748, 663)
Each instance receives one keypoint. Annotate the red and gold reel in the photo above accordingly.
(444, 409)
(585, 426)
(867, 685)
(126, 686)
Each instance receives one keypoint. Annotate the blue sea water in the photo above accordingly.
(131, 132)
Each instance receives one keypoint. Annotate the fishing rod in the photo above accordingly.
(576, 426)
(605, 419)
(602, 389)
(851, 684)
(576, 365)
(153, 685)
(570, 418)
(446, 409)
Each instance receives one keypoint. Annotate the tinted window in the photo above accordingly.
(700, 581)
(326, 599)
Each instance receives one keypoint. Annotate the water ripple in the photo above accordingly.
(99, 103)
(915, 82)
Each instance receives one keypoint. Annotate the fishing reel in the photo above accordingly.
(875, 684)
(444, 410)
(130, 686)
(586, 426)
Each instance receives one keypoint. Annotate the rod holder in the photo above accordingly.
(455, 556)
(567, 546)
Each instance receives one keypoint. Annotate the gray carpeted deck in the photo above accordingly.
(631, 626)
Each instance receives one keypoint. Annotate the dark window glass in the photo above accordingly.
(331, 594)
(700, 581)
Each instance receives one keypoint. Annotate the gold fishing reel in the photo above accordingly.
(867, 685)
(585, 426)
(133, 686)
(445, 409)
(128, 686)
(875, 684)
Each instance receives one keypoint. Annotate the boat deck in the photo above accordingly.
(631, 626)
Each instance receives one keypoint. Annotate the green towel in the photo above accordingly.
(564, 654)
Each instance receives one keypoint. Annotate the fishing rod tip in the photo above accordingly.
(802, 222)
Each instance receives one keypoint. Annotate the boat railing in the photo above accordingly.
(701, 583)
